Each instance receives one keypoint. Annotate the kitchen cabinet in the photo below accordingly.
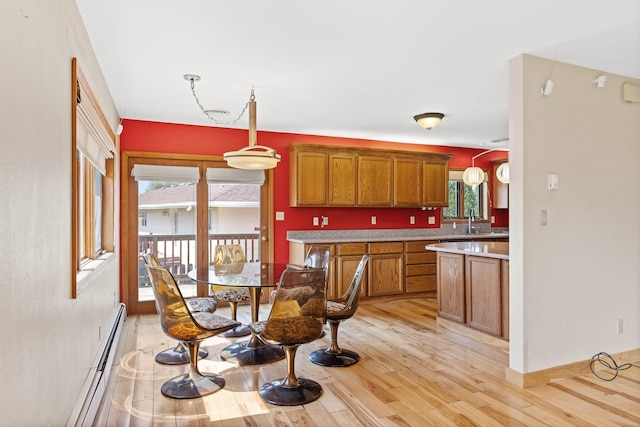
(308, 178)
(500, 189)
(374, 180)
(483, 294)
(385, 269)
(451, 287)
(342, 179)
(420, 267)
(407, 182)
(347, 260)
(322, 175)
(435, 185)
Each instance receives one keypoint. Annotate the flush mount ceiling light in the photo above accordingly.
(253, 157)
(429, 120)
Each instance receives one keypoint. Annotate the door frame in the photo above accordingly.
(129, 220)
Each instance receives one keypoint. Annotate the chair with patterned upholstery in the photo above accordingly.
(296, 318)
(230, 259)
(179, 355)
(337, 311)
(190, 328)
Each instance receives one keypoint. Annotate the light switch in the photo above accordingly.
(325, 220)
(412, 219)
(279, 216)
(543, 217)
(373, 220)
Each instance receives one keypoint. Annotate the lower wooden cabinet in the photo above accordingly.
(420, 267)
(474, 290)
(348, 256)
(386, 269)
(451, 294)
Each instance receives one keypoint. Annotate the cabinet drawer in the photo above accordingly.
(421, 284)
(386, 248)
(418, 245)
(426, 257)
(352, 249)
(422, 269)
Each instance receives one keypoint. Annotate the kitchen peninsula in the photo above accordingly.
(399, 265)
(473, 284)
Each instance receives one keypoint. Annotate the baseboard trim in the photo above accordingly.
(570, 370)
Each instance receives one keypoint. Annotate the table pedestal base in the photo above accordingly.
(252, 352)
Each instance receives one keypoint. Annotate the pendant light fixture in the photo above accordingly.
(474, 175)
(428, 120)
(254, 156)
(502, 173)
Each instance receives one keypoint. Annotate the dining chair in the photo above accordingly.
(230, 259)
(338, 310)
(296, 318)
(190, 328)
(179, 355)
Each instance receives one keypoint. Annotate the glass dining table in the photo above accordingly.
(254, 276)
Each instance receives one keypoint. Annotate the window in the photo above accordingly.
(464, 198)
(92, 180)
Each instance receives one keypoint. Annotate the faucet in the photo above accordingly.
(470, 221)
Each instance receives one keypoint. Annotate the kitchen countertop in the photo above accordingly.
(380, 235)
(477, 248)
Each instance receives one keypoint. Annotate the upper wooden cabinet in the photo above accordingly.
(308, 178)
(375, 178)
(325, 175)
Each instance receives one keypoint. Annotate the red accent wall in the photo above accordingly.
(159, 137)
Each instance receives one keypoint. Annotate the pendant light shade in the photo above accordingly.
(503, 173)
(473, 176)
(253, 157)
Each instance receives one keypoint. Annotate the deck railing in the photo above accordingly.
(177, 252)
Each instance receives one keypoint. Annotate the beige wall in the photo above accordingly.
(48, 339)
(573, 278)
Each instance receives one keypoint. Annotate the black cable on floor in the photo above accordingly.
(609, 364)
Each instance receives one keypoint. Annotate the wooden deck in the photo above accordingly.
(412, 372)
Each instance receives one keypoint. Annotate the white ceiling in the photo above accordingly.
(348, 68)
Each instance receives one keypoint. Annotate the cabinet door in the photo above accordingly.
(309, 172)
(375, 175)
(435, 183)
(385, 275)
(346, 268)
(407, 182)
(451, 294)
(342, 179)
(484, 295)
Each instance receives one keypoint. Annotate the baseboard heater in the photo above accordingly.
(85, 411)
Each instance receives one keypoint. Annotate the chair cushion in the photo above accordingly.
(208, 305)
(211, 324)
(334, 307)
(233, 295)
(292, 330)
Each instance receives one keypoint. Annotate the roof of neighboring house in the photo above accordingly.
(186, 193)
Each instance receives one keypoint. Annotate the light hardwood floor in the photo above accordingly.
(412, 372)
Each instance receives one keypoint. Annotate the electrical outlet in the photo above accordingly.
(432, 220)
(325, 220)
(543, 217)
(279, 216)
(373, 220)
(412, 219)
(620, 326)
(316, 222)
(493, 219)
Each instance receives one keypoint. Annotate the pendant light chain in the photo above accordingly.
(206, 112)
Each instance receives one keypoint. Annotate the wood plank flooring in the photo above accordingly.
(412, 372)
